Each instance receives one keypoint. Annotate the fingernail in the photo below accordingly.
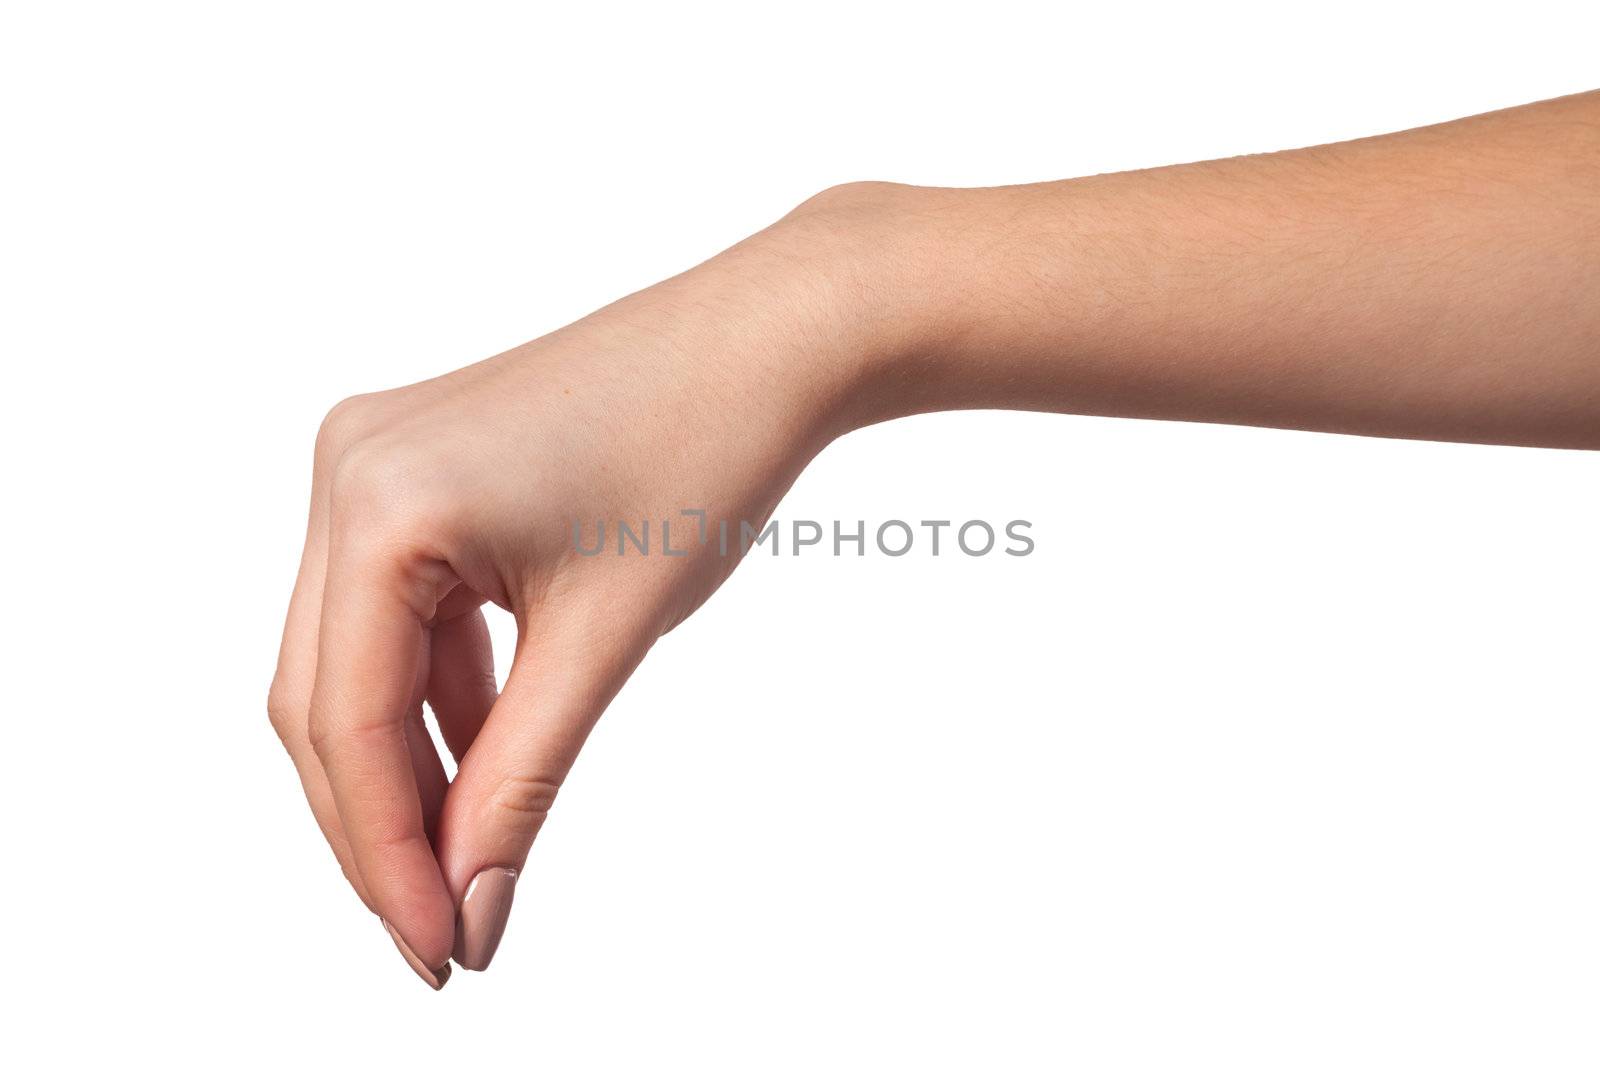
(436, 979)
(482, 916)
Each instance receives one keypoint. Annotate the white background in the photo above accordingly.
(1281, 749)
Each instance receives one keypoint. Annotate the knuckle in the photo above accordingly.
(397, 836)
(281, 714)
(329, 738)
(523, 800)
(379, 481)
(343, 425)
(321, 736)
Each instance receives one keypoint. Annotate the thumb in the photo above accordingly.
(561, 679)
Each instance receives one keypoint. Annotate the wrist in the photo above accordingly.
(878, 296)
(854, 308)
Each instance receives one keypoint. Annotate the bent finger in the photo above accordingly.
(289, 697)
(370, 643)
(461, 683)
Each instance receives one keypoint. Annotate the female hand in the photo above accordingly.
(708, 392)
(1434, 283)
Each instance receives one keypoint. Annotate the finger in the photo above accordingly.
(289, 699)
(461, 684)
(370, 642)
(427, 769)
(292, 688)
(559, 684)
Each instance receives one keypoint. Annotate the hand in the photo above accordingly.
(704, 392)
(1434, 283)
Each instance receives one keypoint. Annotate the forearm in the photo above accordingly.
(1439, 283)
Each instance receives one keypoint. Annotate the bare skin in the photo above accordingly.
(1438, 283)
